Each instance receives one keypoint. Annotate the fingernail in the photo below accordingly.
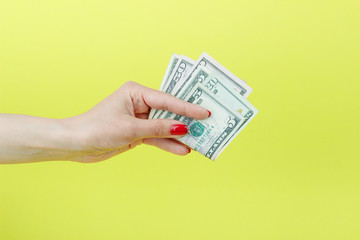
(189, 150)
(209, 113)
(178, 129)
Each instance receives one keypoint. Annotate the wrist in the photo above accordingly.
(56, 140)
(32, 139)
(72, 139)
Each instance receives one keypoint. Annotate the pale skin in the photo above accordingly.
(115, 125)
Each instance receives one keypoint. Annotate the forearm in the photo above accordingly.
(32, 139)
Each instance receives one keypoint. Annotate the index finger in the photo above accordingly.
(164, 101)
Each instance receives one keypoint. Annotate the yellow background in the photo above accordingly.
(293, 173)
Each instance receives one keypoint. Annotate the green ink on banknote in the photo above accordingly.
(197, 129)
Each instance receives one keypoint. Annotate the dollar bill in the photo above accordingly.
(210, 85)
(224, 91)
(221, 88)
(181, 68)
(210, 63)
(210, 135)
(173, 60)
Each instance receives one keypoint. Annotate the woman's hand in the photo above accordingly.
(120, 123)
(113, 126)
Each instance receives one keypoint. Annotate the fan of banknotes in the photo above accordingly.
(207, 83)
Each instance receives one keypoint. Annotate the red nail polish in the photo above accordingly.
(189, 150)
(178, 129)
(209, 113)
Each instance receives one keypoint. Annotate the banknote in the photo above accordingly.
(210, 63)
(210, 85)
(226, 93)
(181, 68)
(210, 135)
(221, 88)
(173, 60)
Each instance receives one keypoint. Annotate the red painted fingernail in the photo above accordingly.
(209, 113)
(189, 150)
(178, 129)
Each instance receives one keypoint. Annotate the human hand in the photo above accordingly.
(120, 122)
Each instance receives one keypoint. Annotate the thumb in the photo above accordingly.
(159, 128)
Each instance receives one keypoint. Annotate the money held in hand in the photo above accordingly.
(209, 84)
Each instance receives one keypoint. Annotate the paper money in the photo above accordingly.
(173, 60)
(211, 64)
(219, 86)
(209, 136)
(182, 66)
(209, 84)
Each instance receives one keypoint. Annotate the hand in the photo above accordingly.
(120, 123)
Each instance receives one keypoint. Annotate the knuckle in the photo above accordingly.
(130, 84)
(184, 109)
(130, 131)
(164, 105)
(135, 143)
(127, 131)
(159, 128)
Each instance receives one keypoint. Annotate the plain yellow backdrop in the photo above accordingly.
(293, 173)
